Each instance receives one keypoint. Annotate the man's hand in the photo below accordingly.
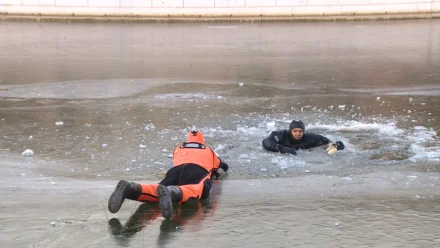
(334, 147)
(284, 149)
(224, 166)
(331, 148)
(216, 174)
(290, 150)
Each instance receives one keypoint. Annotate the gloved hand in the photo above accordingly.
(216, 174)
(224, 166)
(284, 149)
(339, 145)
(220, 173)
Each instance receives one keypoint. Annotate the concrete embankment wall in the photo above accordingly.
(216, 10)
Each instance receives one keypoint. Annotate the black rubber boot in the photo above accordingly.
(123, 190)
(115, 227)
(167, 195)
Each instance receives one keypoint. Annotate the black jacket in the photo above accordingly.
(284, 137)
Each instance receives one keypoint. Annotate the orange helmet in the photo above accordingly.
(195, 137)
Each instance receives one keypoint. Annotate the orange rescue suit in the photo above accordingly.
(194, 151)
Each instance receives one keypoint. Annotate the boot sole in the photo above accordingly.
(117, 198)
(165, 203)
(115, 226)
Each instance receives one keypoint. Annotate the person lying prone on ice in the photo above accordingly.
(194, 164)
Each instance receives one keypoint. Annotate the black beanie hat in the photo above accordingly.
(297, 124)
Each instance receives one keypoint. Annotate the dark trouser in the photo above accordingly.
(192, 179)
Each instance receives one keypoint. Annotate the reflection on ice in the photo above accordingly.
(80, 89)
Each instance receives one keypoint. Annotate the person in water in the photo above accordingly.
(194, 164)
(290, 141)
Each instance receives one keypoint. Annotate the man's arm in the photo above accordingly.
(319, 140)
(218, 164)
(222, 165)
(272, 142)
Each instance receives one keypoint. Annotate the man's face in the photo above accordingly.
(297, 133)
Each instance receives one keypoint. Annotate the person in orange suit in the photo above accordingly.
(194, 164)
(190, 216)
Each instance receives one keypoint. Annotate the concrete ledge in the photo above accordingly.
(59, 18)
(228, 14)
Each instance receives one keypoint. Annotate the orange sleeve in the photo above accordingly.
(216, 160)
(176, 149)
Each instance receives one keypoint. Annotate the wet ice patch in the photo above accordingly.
(76, 89)
(243, 130)
(223, 26)
(27, 153)
(365, 142)
(270, 124)
(284, 163)
(422, 134)
(187, 96)
(149, 126)
(424, 144)
(420, 128)
(355, 126)
(423, 153)
(427, 90)
(248, 130)
(219, 148)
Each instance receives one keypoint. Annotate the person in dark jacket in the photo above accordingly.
(290, 141)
